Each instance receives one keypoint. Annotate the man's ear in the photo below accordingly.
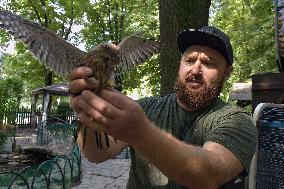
(228, 72)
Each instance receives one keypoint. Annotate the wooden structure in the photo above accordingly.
(267, 88)
(47, 92)
(242, 93)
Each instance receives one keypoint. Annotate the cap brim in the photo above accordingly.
(189, 38)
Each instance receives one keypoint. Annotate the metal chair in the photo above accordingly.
(267, 170)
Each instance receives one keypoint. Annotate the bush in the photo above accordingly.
(3, 138)
(64, 109)
(11, 90)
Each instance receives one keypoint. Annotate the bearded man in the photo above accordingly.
(189, 139)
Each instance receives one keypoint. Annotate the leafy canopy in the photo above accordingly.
(250, 25)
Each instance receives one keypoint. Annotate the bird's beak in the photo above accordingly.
(113, 46)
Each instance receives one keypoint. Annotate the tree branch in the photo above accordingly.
(121, 29)
(70, 22)
(43, 5)
(109, 20)
(116, 27)
(35, 11)
(248, 4)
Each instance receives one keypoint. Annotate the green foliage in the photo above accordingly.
(3, 138)
(250, 25)
(64, 109)
(108, 20)
(25, 68)
(59, 16)
(11, 90)
(10, 93)
(113, 20)
(145, 78)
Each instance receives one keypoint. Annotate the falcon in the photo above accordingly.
(108, 61)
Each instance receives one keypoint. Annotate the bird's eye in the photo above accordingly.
(105, 59)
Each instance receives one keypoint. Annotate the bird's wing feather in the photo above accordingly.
(134, 50)
(50, 49)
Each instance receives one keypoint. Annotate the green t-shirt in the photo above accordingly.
(219, 122)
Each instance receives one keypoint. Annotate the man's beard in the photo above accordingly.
(195, 99)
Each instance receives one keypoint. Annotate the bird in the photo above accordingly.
(107, 60)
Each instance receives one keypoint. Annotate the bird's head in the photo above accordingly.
(105, 55)
(103, 59)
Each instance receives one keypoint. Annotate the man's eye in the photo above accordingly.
(190, 60)
(209, 62)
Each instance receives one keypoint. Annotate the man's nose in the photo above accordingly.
(196, 67)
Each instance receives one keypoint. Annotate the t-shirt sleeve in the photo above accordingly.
(142, 101)
(147, 102)
(235, 131)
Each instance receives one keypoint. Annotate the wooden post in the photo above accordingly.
(33, 111)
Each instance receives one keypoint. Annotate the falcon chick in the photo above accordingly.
(107, 60)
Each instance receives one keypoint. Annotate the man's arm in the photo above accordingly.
(194, 167)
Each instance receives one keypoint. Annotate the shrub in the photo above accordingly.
(3, 138)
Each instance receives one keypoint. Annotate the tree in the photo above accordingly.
(11, 91)
(112, 20)
(60, 17)
(101, 21)
(250, 25)
(176, 16)
(251, 32)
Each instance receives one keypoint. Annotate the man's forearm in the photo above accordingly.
(186, 164)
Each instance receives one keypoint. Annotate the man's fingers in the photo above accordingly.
(116, 98)
(90, 122)
(74, 101)
(78, 85)
(81, 79)
(92, 103)
(80, 72)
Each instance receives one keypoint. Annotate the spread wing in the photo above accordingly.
(50, 49)
(135, 50)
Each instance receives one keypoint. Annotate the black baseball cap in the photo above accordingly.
(208, 36)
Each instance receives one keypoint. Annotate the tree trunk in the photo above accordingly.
(176, 16)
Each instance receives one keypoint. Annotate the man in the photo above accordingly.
(190, 139)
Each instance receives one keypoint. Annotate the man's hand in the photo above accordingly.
(79, 83)
(117, 114)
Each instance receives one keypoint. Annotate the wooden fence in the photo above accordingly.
(22, 117)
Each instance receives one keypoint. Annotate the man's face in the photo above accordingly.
(201, 76)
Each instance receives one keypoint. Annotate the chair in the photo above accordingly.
(267, 169)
